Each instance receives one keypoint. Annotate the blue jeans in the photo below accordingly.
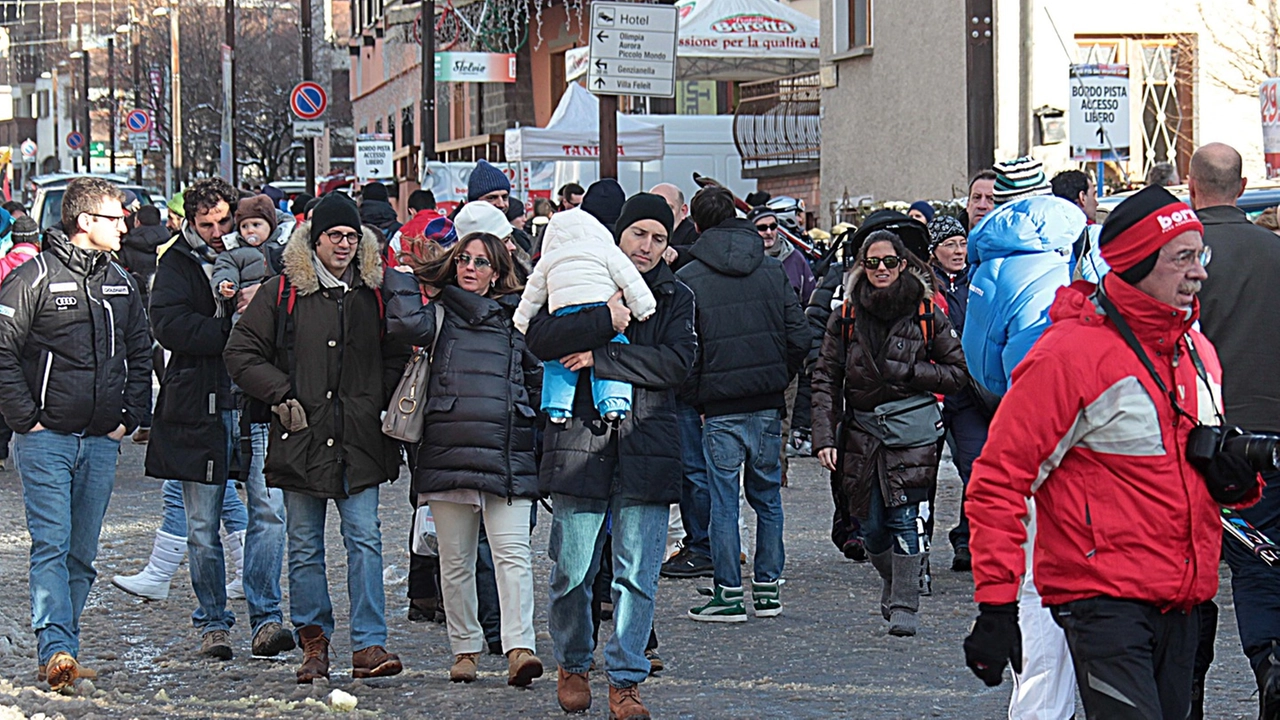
(887, 527)
(309, 602)
(66, 485)
(577, 540)
(234, 515)
(560, 384)
(752, 443)
(695, 498)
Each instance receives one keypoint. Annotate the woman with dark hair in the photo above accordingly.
(886, 355)
(476, 459)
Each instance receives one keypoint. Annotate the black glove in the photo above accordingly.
(994, 641)
(1229, 477)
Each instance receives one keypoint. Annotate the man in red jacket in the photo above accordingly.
(1095, 428)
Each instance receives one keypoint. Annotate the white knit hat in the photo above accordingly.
(481, 217)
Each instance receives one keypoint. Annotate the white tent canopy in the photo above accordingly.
(746, 29)
(574, 133)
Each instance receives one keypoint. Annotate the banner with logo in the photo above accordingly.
(1267, 94)
(746, 28)
(475, 67)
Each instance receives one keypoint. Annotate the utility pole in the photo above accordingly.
(310, 143)
(175, 80)
(229, 92)
(135, 38)
(608, 136)
(980, 81)
(111, 100)
(1025, 54)
(84, 102)
(427, 115)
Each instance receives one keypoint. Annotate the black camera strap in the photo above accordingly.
(1109, 309)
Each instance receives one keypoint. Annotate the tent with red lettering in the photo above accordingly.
(574, 133)
(745, 40)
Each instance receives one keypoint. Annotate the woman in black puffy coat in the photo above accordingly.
(476, 458)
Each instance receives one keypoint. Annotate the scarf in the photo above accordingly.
(208, 256)
(327, 279)
(885, 306)
(782, 247)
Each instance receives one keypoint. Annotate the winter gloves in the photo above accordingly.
(291, 415)
(994, 641)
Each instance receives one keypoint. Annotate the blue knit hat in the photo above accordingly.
(924, 208)
(485, 179)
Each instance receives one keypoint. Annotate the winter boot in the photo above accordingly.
(153, 582)
(904, 596)
(1268, 676)
(883, 563)
(235, 546)
(315, 654)
(624, 704)
(725, 606)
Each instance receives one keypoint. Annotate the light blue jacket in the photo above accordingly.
(1020, 256)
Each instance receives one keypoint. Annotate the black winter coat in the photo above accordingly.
(752, 334)
(682, 240)
(483, 397)
(138, 249)
(74, 347)
(862, 374)
(336, 361)
(380, 215)
(188, 439)
(640, 459)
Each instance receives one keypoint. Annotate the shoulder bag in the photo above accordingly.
(405, 415)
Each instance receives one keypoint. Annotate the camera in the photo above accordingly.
(1260, 451)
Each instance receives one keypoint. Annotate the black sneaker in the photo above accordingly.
(688, 564)
(963, 561)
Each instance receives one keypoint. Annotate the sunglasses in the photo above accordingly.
(890, 262)
(341, 238)
(767, 228)
(464, 260)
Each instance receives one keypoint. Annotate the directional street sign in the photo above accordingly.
(1099, 112)
(75, 140)
(308, 100)
(633, 49)
(138, 121)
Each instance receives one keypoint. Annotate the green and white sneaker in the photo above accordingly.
(725, 606)
(766, 600)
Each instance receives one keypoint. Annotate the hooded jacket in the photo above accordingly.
(581, 265)
(73, 343)
(337, 362)
(861, 374)
(1085, 430)
(381, 215)
(752, 334)
(188, 437)
(639, 459)
(1019, 256)
(138, 249)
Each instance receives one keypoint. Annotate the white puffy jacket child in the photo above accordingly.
(582, 268)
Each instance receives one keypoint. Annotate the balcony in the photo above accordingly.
(776, 126)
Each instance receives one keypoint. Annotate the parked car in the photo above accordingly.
(1254, 200)
(47, 190)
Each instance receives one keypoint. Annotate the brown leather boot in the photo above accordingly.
(522, 667)
(573, 690)
(315, 654)
(624, 704)
(374, 661)
(61, 671)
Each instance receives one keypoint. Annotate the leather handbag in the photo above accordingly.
(406, 413)
(911, 422)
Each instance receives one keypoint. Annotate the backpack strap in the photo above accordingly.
(286, 297)
(846, 321)
(928, 324)
(382, 313)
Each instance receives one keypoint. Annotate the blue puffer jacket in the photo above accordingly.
(1019, 256)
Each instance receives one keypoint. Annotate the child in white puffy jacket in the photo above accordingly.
(582, 268)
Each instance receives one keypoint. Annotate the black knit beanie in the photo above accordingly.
(604, 200)
(644, 206)
(374, 191)
(333, 210)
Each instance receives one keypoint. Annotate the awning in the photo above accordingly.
(751, 29)
(574, 133)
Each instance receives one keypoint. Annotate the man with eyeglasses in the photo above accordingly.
(313, 346)
(75, 377)
(1237, 309)
(1096, 427)
(195, 433)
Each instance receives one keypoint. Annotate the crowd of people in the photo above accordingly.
(1090, 382)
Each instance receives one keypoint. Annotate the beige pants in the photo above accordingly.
(458, 528)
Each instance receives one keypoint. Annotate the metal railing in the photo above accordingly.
(776, 121)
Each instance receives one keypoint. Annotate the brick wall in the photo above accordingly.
(804, 187)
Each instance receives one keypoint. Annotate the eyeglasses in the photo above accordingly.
(464, 260)
(954, 245)
(890, 262)
(1201, 257)
(341, 238)
(112, 218)
(772, 227)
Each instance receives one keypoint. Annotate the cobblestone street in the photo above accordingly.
(827, 656)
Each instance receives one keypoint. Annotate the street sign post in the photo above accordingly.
(303, 129)
(308, 100)
(139, 141)
(75, 140)
(373, 157)
(28, 149)
(1099, 117)
(633, 49)
(138, 122)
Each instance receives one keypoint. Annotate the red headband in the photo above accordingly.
(1135, 243)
